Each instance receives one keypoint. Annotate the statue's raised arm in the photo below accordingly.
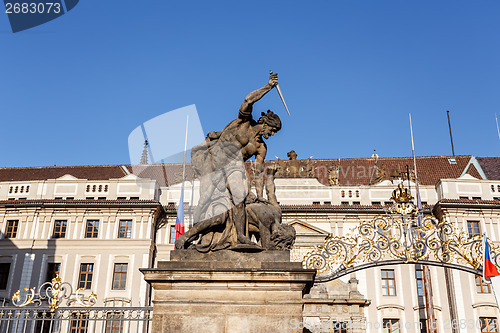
(254, 96)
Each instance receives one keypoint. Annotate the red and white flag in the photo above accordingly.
(490, 271)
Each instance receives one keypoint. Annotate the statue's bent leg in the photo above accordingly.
(239, 216)
(199, 228)
(237, 186)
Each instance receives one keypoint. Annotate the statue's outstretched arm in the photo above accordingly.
(254, 96)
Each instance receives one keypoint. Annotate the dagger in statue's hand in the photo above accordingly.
(281, 95)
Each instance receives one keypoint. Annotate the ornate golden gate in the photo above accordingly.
(399, 237)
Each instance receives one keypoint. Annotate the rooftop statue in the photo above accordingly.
(294, 168)
(227, 210)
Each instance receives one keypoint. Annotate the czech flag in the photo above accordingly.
(179, 220)
(489, 269)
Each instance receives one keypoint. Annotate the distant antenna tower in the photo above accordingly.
(144, 157)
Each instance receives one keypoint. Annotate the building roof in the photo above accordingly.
(351, 171)
(468, 202)
(83, 202)
(61, 203)
(91, 172)
(490, 166)
(363, 171)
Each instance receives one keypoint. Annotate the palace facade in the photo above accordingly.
(96, 226)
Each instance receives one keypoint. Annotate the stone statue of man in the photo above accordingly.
(220, 217)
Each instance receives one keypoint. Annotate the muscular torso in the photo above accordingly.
(240, 135)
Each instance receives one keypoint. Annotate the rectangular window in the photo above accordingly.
(86, 272)
(488, 324)
(120, 276)
(388, 282)
(172, 234)
(473, 228)
(11, 231)
(125, 229)
(60, 229)
(114, 322)
(481, 286)
(339, 327)
(419, 276)
(390, 326)
(79, 323)
(4, 274)
(92, 230)
(53, 269)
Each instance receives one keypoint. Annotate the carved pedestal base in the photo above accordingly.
(227, 291)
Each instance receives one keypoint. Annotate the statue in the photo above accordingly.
(294, 168)
(225, 199)
(333, 175)
(380, 175)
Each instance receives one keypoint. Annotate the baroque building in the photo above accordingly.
(96, 226)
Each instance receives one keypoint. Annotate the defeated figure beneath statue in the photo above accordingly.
(264, 223)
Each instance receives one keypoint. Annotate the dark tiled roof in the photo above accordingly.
(344, 207)
(353, 171)
(490, 166)
(164, 173)
(469, 202)
(361, 171)
(91, 172)
(471, 170)
(80, 203)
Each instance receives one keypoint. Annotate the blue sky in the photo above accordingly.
(72, 90)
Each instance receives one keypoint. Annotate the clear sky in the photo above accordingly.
(73, 89)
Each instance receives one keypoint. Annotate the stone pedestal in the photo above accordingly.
(228, 291)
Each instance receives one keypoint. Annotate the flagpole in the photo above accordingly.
(179, 221)
(498, 129)
(419, 201)
(426, 274)
(484, 252)
(184, 163)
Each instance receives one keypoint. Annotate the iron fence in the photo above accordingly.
(76, 320)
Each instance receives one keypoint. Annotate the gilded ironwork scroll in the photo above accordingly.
(399, 237)
(53, 294)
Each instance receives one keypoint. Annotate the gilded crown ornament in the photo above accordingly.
(402, 198)
(401, 194)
